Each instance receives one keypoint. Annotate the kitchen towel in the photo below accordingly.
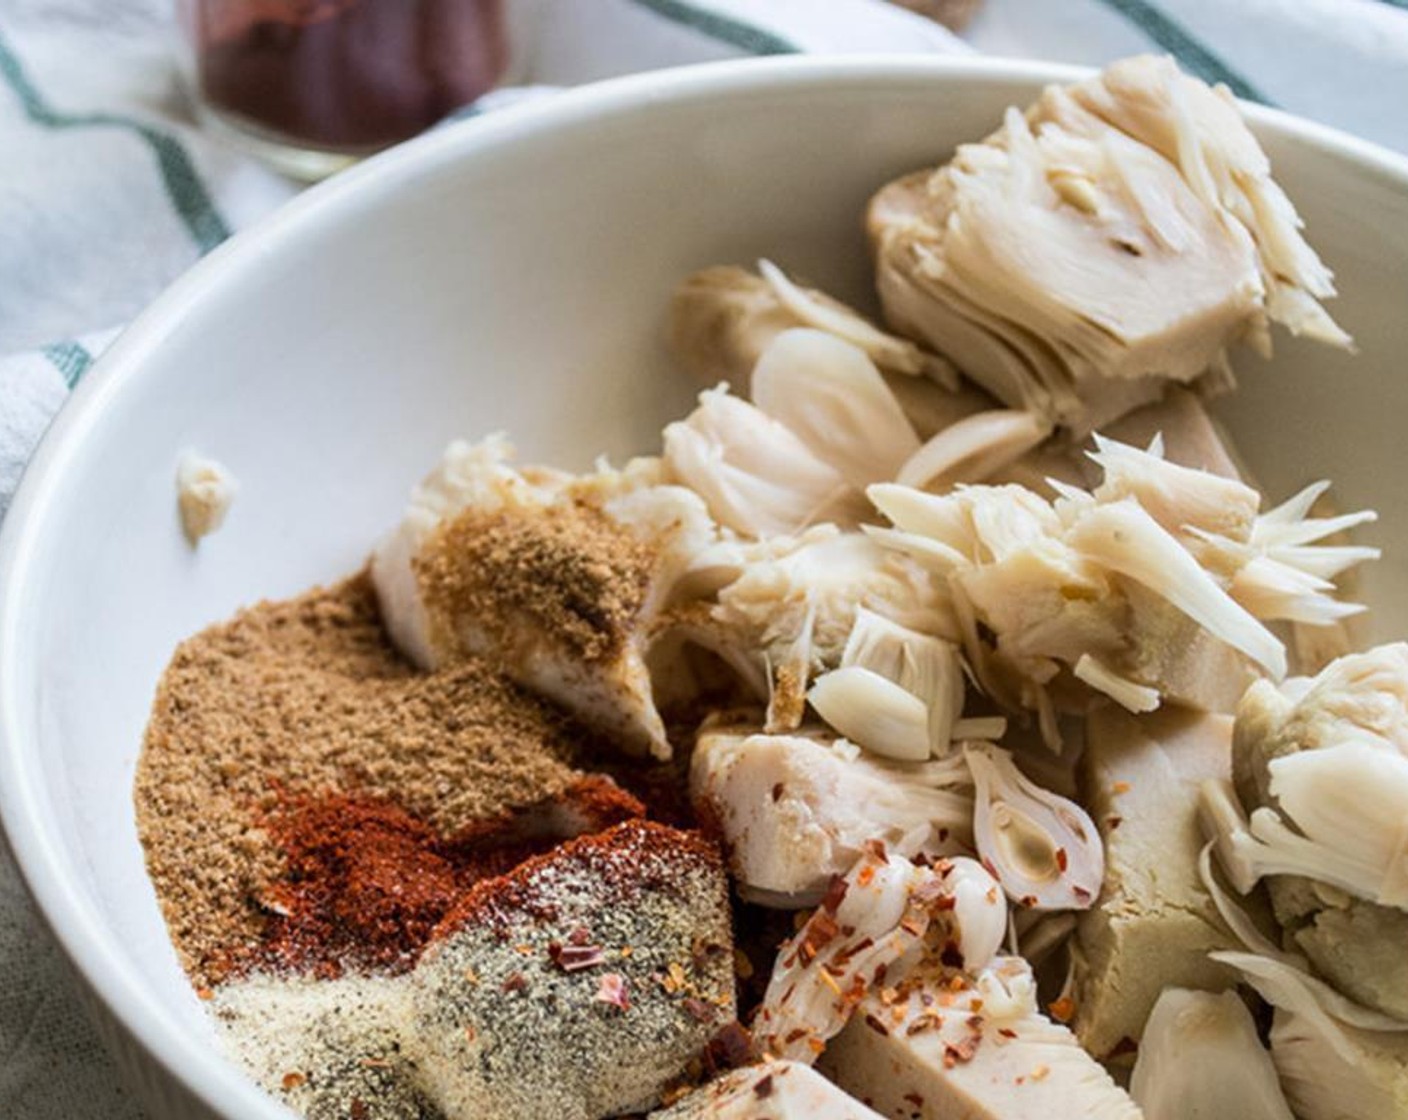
(109, 189)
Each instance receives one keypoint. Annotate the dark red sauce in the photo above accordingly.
(350, 75)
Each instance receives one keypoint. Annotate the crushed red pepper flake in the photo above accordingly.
(818, 934)
(843, 956)
(962, 1051)
(730, 1048)
(575, 958)
(835, 893)
(1124, 1046)
(515, 982)
(763, 1088)
(293, 1080)
(913, 925)
(698, 1010)
(612, 990)
(1063, 1010)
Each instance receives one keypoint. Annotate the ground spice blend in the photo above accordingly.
(268, 726)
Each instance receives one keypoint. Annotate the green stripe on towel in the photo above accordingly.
(1191, 54)
(734, 32)
(71, 359)
(188, 194)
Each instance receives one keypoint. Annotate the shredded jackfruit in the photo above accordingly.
(1043, 848)
(973, 449)
(795, 810)
(757, 477)
(886, 350)
(1199, 1056)
(832, 397)
(1028, 258)
(875, 933)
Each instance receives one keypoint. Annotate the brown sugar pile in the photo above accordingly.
(302, 698)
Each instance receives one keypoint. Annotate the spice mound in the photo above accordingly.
(367, 883)
(607, 961)
(294, 714)
(320, 816)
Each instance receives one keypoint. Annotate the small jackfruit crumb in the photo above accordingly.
(205, 490)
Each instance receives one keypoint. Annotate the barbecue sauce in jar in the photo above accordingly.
(344, 76)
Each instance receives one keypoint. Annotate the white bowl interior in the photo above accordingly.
(513, 274)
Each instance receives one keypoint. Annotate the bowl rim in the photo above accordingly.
(33, 832)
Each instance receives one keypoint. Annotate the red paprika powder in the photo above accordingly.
(366, 883)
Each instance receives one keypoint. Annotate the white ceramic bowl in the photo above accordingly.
(509, 273)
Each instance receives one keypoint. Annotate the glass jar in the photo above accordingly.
(312, 85)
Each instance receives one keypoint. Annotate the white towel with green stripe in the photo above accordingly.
(108, 191)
